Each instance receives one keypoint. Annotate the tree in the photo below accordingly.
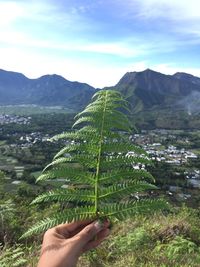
(99, 170)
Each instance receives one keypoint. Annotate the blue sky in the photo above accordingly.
(98, 41)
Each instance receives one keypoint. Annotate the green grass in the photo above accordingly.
(161, 240)
(195, 151)
(36, 174)
(167, 241)
(3, 142)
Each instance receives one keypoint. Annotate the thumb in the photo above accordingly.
(89, 232)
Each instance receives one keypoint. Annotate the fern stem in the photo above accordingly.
(99, 157)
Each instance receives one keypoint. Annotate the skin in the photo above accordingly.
(63, 244)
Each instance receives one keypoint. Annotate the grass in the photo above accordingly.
(36, 174)
(160, 240)
(195, 151)
(2, 142)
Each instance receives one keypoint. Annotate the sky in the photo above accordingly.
(98, 41)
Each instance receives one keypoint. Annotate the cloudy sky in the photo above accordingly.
(98, 41)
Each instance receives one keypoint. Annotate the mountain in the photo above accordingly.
(187, 77)
(163, 101)
(156, 99)
(50, 90)
(150, 89)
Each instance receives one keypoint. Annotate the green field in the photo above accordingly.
(32, 109)
(2, 142)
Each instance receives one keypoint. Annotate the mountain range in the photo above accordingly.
(48, 90)
(147, 91)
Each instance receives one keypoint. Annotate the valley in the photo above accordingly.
(25, 149)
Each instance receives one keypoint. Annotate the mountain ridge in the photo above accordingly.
(16, 88)
(145, 90)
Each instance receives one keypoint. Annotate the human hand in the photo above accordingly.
(63, 244)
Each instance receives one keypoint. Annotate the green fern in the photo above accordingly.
(13, 257)
(96, 165)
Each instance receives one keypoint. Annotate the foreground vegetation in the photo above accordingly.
(159, 240)
(167, 240)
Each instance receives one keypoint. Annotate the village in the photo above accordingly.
(29, 151)
(7, 119)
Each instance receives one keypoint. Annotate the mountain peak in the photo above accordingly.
(52, 77)
(148, 70)
(146, 74)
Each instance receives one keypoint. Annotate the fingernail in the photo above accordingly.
(98, 225)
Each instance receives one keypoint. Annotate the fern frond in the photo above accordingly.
(64, 195)
(98, 165)
(84, 147)
(17, 255)
(123, 147)
(82, 213)
(87, 119)
(111, 162)
(81, 135)
(124, 189)
(67, 149)
(74, 175)
(58, 161)
(127, 209)
(121, 174)
(85, 159)
(20, 262)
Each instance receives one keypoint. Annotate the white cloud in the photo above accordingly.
(35, 65)
(16, 38)
(179, 16)
(174, 9)
(171, 69)
(9, 12)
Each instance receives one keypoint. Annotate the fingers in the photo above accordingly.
(67, 228)
(95, 243)
(91, 231)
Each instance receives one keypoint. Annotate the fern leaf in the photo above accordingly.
(82, 213)
(85, 147)
(67, 149)
(76, 175)
(111, 162)
(20, 262)
(66, 195)
(84, 120)
(124, 210)
(124, 189)
(117, 147)
(81, 135)
(123, 174)
(58, 161)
